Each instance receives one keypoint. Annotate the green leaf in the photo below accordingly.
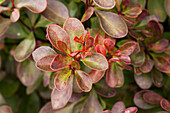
(37, 6)
(167, 7)
(96, 61)
(4, 24)
(83, 80)
(42, 22)
(25, 48)
(105, 4)
(157, 7)
(27, 72)
(74, 28)
(56, 12)
(116, 28)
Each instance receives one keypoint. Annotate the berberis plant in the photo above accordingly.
(84, 56)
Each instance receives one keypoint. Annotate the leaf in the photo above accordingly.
(2, 9)
(56, 12)
(2, 100)
(83, 80)
(60, 98)
(88, 13)
(4, 24)
(74, 28)
(60, 62)
(144, 81)
(139, 101)
(118, 107)
(76, 88)
(25, 48)
(112, 76)
(42, 22)
(120, 74)
(142, 15)
(128, 48)
(157, 78)
(75, 64)
(42, 51)
(44, 63)
(157, 7)
(5, 109)
(116, 28)
(100, 49)
(123, 65)
(167, 7)
(165, 104)
(37, 6)
(98, 39)
(109, 45)
(125, 59)
(134, 11)
(162, 64)
(130, 110)
(91, 104)
(96, 61)
(76, 97)
(63, 47)
(152, 97)
(61, 78)
(27, 73)
(160, 46)
(96, 75)
(102, 89)
(15, 15)
(147, 65)
(56, 33)
(109, 4)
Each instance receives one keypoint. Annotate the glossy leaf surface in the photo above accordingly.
(165, 104)
(88, 13)
(106, 4)
(96, 75)
(118, 107)
(15, 15)
(152, 97)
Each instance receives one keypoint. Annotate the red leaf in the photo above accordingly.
(63, 47)
(118, 107)
(45, 62)
(60, 62)
(152, 97)
(98, 39)
(107, 111)
(89, 43)
(165, 104)
(130, 110)
(88, 13)
(15, 15)
(109, 45)
(157, 78)
(142, 16)
(100, 49)
(125, 59)
(128, 47)
(96, 75)
(123, 65)
(134, 11)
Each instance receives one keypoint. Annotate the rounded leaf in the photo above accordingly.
(118, 107)
(4, 24)
(167, 7)
(5, 109)
(56, 12)
(130, 110)
(96, 75)
(88, 13)
(83, 80)
(96, 61)
(128, 48)
(147, 65)
(152, 97)
(106, 4)
(116, 28)
(165, 104)
(157, 78)
(15, 15)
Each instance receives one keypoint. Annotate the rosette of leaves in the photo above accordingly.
(118, 60)
(75, 46)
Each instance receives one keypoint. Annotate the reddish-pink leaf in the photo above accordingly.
(56, 12)
(15, 15)
(142, 15)
(5, 109)
(89, 103)
(60, 98)
(165, 104)
(134, 11)
(98, 39)
(56, 33)
(45, 62)
(128, 19)
(76, 88)
(152, 97)
(109, 45)
(139, 101)
(75, 64)
(120, 74)
(123, 65)
(117, 53)
(104, 90)
(88, 13)
(96, 61)
(144, 81)
(63, 47)
(107, 111)
(89, 43)
(125, 59)
(137, 71)
(118, 107)
(83, 80)
(109, 4)
(128, 47)
(112, 76)
(2, 9)
(37, 6)
(75, 97)
(147, 65)
(96, 75)
(60, 62)
(162, 64)
(130, 110)
(157, 78)
(74, 28)
(41, 52)
(160, 46)
(61, 78)
(138, 59)
(100, 49)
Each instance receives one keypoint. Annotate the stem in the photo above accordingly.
(13, 5)
(87, 4)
